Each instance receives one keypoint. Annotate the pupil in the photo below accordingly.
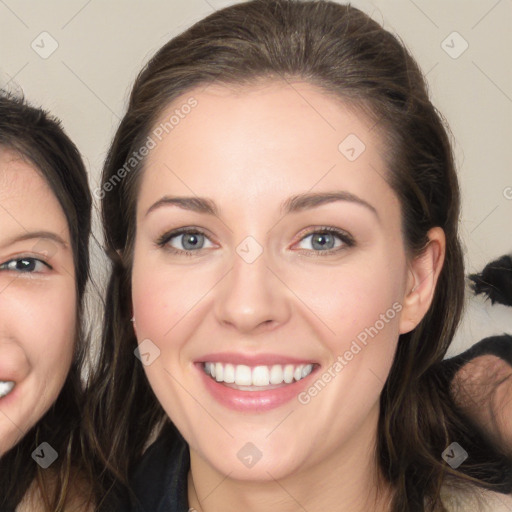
(24, 265)
(192, 241)
(323, 241)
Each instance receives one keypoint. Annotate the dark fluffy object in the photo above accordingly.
(495, 281)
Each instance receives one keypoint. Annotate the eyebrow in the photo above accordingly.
(293, 204)
(36, 235)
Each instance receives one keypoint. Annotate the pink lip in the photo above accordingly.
(252, 401)
(251, 360)
(6, 400)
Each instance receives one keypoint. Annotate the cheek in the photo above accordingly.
(62, 328)
(353, 298)
(49, 334)
(38, 328)
(163, 297)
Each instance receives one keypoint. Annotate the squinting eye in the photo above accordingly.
(25, 265)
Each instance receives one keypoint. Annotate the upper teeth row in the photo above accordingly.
(6, 387)
(243, 375)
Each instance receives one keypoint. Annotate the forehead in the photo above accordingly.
(26, 199)
(263, 140)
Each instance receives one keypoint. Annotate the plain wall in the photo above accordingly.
(103, 44)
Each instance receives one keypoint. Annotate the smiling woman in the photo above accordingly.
(44, 230)
(296, 234)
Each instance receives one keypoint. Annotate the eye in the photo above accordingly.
(25, 265)
(185, 241)
(327, 240)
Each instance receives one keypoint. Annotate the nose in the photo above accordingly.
(251, 297)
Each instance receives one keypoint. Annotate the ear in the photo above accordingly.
(422, 277)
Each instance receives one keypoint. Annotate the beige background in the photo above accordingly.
(103, 44)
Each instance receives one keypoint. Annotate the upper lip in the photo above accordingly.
(252, 359)
(10, 376)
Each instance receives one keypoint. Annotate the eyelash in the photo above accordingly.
(21, 258)
(347, 240)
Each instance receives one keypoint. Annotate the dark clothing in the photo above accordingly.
(160, 480)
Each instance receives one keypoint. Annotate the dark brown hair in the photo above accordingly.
(342, 51)
(38, 138)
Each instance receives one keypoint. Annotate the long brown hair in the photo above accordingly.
(39, 138)
(341, 50)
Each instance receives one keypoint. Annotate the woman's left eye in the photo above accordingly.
(25, 265)
(326, 240)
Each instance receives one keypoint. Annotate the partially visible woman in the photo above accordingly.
(45, 217)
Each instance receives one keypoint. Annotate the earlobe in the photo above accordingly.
(423, 274)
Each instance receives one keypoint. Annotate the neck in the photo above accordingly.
(348, 480)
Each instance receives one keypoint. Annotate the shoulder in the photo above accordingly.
(475, 499)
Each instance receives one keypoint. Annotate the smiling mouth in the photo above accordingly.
(256, 378)
(6, 386)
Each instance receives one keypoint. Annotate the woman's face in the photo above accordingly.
(37, 298)
(268, 246)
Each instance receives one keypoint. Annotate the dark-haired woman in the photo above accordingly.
(281, 210)
(45, 209)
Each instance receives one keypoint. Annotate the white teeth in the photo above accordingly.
(288, 373)
(243, 375)
(219, 372)
(229, 373)
(6, 387)
(260, 376)
(276, 374)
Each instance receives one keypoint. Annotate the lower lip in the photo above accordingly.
(253, 401)
(7, 399)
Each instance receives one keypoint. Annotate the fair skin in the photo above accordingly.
(37, 297)
(249, 150)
